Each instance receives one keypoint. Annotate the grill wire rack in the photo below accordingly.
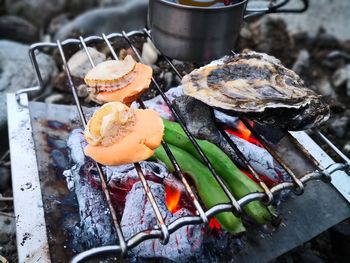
(163, 231)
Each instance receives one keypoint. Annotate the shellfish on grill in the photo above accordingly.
(257, 86)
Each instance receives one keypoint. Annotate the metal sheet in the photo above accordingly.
(340, 180)
(30, 222)
(305, 216)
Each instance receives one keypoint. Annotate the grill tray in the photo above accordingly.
(163, 231)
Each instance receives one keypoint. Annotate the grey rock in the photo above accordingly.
(54, 98)
(2, 7)
(38, 12)
(346, 149)
(264, 38)
(149, 53)
(129, 15)
(4, 238)
(109, 2)
(60, 83)
(325, 88)
(320, 15)
(168, 78)
(79, 64)
(302, 61)
(8, 238)
(78, 6)
(18, 29)
(82, 91)
(16, 72)
(57, 22)
(339, 126)
(340, 76)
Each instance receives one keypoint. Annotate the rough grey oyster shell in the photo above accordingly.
(257, 86)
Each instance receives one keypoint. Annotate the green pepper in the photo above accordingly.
(238, 183)
(207, 187)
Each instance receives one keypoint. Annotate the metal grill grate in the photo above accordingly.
(163, 231)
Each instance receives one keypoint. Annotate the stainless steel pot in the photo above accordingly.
(201, 34)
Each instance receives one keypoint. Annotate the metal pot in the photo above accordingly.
(201, 34)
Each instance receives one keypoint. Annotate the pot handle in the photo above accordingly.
(277, 9)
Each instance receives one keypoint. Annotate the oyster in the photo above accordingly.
(257, 86)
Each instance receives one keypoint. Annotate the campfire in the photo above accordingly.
(215, 176)
(142, 210)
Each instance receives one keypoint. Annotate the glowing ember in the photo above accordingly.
(243, 132)
(172, 196)
(263, 178)
(214, 224)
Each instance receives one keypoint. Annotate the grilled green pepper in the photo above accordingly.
(238, 183)
(208, 188)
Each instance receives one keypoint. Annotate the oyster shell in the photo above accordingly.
(257, 86)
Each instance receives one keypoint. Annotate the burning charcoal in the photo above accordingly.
(200, 121)
(260, 160)
(268, 168)
(122, 178)
(125, 172)
(95, 226)
(138, 215)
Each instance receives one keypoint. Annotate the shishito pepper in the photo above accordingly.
(207, 187)
(238, 183)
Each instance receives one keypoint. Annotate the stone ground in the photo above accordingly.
(332, 15)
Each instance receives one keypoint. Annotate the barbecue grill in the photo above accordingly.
(29, 204)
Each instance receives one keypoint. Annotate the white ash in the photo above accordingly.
(95, 226)
(138, 215)
(76, 143)
(259, 158)
(124, 172)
